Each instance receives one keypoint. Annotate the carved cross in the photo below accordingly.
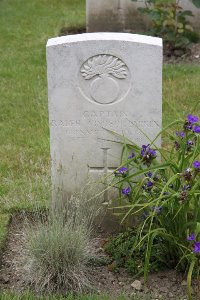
(104, 170)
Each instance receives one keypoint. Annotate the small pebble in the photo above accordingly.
(137, 285)
(184, 283)
(171, 295)
(163, 289)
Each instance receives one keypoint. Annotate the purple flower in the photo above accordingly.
(144, 148)
(132, 155)
(152, 152)
(149, 184)
(196, 247)
(126, 191)
(147, 154)
(196, 164)
(121, 171)
(196, 129)
(191, 237)
(158, 209)
(189, 126)
(192, 119)
(190, 143)
(149, 174)
(186, 187)
(181, 134)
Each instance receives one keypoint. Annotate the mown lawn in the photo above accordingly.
(25, 26)
(181, 91)
(29, 296)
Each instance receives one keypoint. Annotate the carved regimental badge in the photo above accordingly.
(105, 79)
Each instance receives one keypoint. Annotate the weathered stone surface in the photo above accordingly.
(96, 82)
(115, 16)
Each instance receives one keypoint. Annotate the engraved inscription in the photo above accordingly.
(93, 123)
(105, 169)
(105, 79)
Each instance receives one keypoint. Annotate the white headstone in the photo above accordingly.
(100, 81)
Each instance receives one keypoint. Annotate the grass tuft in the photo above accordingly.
(30, 296)
(4, 223)
(60, 248)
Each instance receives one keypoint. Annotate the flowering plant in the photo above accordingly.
(170, 22)
(162, 188)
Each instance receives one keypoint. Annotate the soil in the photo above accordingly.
(15, 263)
(190, 56)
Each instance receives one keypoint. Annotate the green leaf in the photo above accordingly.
(155, 16)
(197, 229)
(143, 10)
(186, 13)
(196, 3)
(182, 41)
(189, 277)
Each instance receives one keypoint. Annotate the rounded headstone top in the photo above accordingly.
(112, 36)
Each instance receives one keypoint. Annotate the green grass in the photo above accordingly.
(29, 296)
(25, 26)
(181, 91)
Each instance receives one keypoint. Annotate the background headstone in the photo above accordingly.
(123, 15)
(115, 16)
(100, 81)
